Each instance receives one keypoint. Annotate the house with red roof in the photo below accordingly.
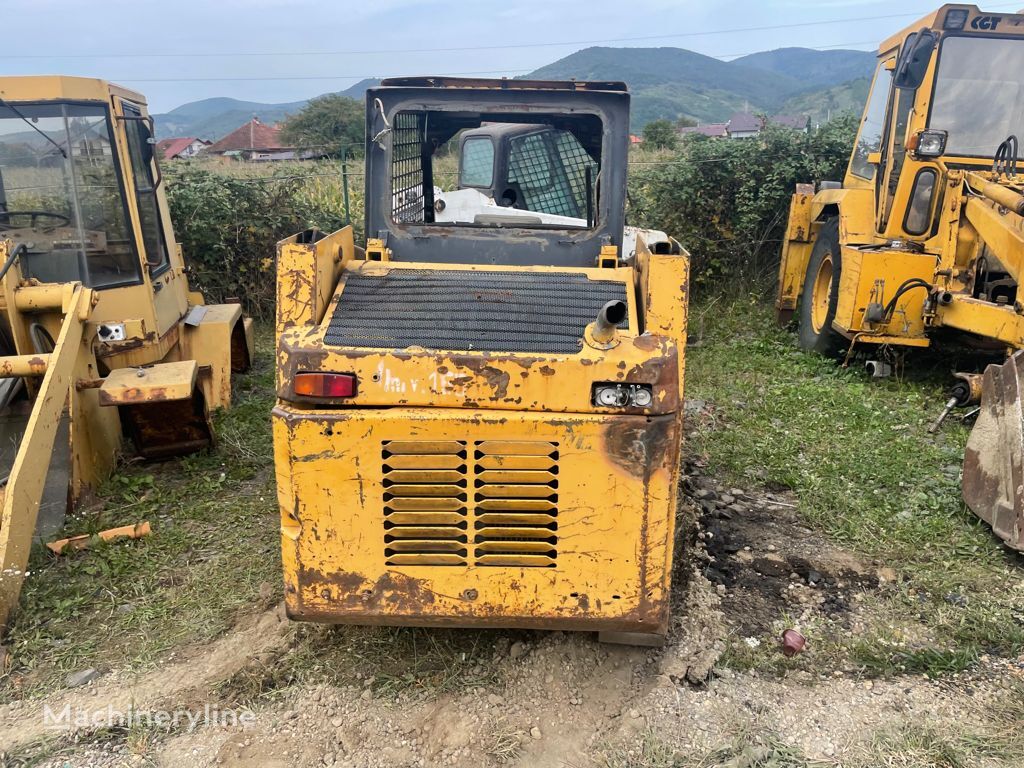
(180, 148)
(744, 125)
(711, 130)
(253, 141)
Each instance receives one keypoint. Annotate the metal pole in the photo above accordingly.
(344, 184)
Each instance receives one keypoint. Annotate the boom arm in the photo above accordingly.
(24, 489)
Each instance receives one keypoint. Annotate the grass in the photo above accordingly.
(503, 742)
(999, 741)
(747, 749)
(857, 455)
(214, 544)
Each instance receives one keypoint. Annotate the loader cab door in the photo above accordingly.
(894, 154)
(909, 72)
(169, 298)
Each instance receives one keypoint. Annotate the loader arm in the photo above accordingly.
(1001, 229)
(24, 487)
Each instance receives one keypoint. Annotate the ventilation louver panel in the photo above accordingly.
(494, 504)
(425, 502)
(515, 494)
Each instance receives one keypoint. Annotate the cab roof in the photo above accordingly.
(59, 87)
(503, 84)
(977, 22)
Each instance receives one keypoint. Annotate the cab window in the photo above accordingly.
(141, 152)
(61, 195)
(477, 162)
(869, 140)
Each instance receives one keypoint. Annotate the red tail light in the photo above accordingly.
(325, 384)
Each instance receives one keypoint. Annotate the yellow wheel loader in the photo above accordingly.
(100, 337)
(479, 414)
(922, 243)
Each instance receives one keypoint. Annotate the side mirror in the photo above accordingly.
(914, 59)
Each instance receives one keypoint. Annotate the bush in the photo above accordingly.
(727, 201)
(228, 223)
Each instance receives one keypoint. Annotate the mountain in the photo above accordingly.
(665, 83)
(813, 68)
(673, 82)
(214, 118)
(827, 103)
(669, 82)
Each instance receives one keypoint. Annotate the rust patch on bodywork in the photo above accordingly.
(391, 592)
(495, 377)
(134, 396)
(634, 445)
(168, 428)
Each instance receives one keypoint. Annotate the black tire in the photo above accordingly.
(816, 316)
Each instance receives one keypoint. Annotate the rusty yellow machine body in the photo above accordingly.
(479, 421)
(923, 240)
(100, 336)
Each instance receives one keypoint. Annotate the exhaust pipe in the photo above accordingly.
(604, 327)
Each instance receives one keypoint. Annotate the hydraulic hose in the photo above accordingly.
(12, 257)
(906, 285)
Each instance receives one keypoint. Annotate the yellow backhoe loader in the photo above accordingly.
(100, 337)
(479, 414)
(923, 241)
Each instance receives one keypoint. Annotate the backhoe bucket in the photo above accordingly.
(993, 483)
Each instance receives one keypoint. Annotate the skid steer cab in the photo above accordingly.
(100, 337)
(922, 243)
(479, 419)
(528, 173)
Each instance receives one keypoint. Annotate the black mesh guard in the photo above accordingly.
(469, 311)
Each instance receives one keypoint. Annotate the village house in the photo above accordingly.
(180, 148)
(744, 125)
(253, 141)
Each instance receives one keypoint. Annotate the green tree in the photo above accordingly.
(328, 123)
(728, 201)
(685, 122)
(660, 134)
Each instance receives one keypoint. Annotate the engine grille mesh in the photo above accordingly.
(491, 503)
(460, 310)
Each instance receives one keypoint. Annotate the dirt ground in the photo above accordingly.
(748, 569)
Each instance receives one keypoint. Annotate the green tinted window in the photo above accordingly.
(477, 162)
(872, 124)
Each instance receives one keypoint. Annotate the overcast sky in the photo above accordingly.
(323, 46)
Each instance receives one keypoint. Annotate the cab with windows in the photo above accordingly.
(81, 201)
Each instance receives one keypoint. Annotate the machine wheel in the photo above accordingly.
(821, 294)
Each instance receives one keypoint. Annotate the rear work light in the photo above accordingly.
(612, 395)
(325, 384)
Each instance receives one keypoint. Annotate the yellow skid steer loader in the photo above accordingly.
(479, 414)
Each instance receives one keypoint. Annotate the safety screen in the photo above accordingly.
(468, 310)
(407, 176)
(550, 168)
